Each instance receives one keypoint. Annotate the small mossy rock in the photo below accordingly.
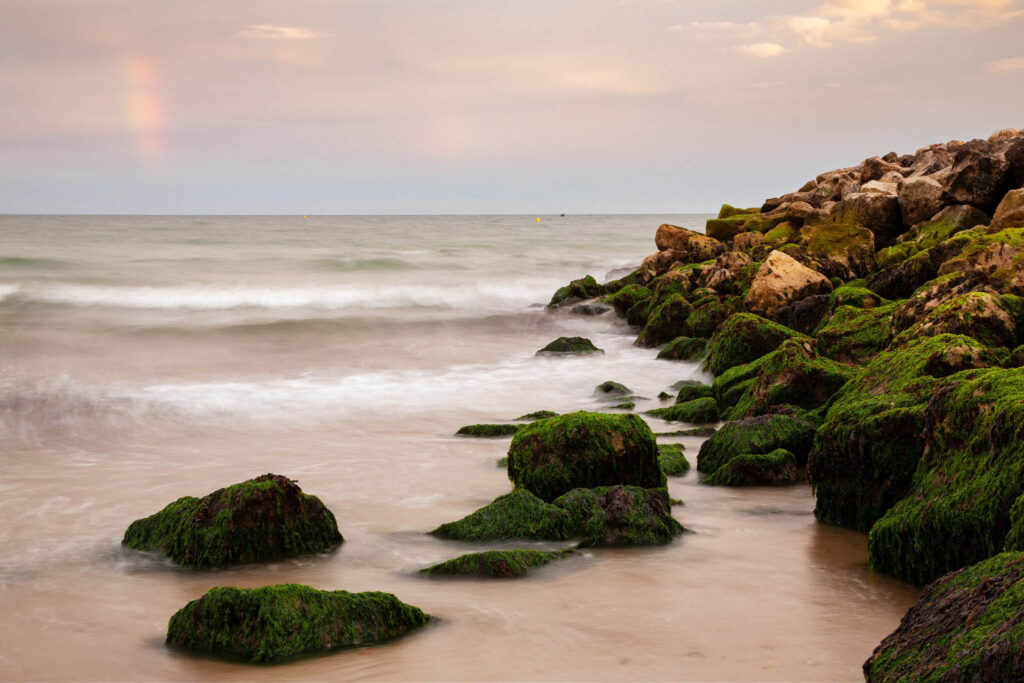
(621, 515)
(707, 318)
(265, 518)
(780, 280)
(859, 297)
(761, 434)
(967, 626)
(724, 229)
(856, 335)
(697, 411)
(584, 288)
(666, 322)
(849, 249)
(682, 348)
(488, 430)
(777, 468)
(538, 415)
(629, 296)
(742, 338)
(959, 507)
(728, 211)
(867, 450)
(611, 390)
(583, 450)
(690, 392)
(625, 405)
(570, 345)
(495, 564)
(781, 234)
(900, 280)
(278, 622)
(672, 459)
(519, 514)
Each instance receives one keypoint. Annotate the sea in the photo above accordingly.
(144, 358)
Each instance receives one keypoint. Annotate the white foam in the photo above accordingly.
(7, 290)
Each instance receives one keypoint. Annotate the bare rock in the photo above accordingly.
(781, 280)
(879, 213)
(920, 198)
(879, 187)
(699, 247)
(1010, 212)
(850, 248)
(747, 240)
(978, 176)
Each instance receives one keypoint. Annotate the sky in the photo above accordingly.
(481, 106)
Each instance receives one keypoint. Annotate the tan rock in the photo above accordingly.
(1013, 219)
(850, 249)
(1012, 201)
(879, 187)
(781, 280)
(1004, 134)
(725, 269)
(879, 213)
(692, 246)
(920, 198)
(991, 258)
(747, 240)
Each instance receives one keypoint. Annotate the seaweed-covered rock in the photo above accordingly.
(265, 518)
(495, 564)
(277, 622)
(689, 392)
(672, 459)
(697, 411)
(519, 514)
(776, 468)
(625, 405)
(583, 450)
(570, 345)
(967, 626)
(682, 348)
(849, 249)
(900, 280)
(629, 296)
(958, 510)
(804, 315)
(927, 234)
(611, 390)
(488, 430)
(878, 212)
(1016, 359)
(577, 290)
(621, 515)
(780, 280)
(761, 434)
(725, 229)
(860, 297)
(538, 415)
(742, 338)
(707, 318)
(867, 450)
(856, 335)
(666, 322)
(987, 317)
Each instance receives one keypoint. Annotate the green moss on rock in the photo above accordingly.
(518, 514)
(690, 392)
(860, 297)
(583, 450)
(672, 459)
(777, 468)
(621, 515)
(742, 338)
(489, 430)
(584, 288)
(628, 297)
(538, 415)
(570, 345)
(277, 622)
(707, 317)
(265, 518)
(697, 411)
(682, 348)
(989, 318)
(761, 434)
(666, 322)
(612, 390)
(856, 335)
(495, 564)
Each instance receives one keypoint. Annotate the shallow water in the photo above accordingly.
(142, 359)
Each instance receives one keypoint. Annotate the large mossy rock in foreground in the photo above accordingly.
(570, 346)
(276, 622)
(583, 450)
(495, 564)
(968, 626)
(621, 515)
(265, 518)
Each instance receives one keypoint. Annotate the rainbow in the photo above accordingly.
(145, 108)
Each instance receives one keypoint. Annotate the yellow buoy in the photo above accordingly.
(538, 220)
(305, 218)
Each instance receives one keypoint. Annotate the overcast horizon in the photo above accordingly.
(458, 107)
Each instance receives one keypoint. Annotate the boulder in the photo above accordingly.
(920, 198)
(583, 450)
(273, 623)
(1014, 156)
(1010, 212)
(879, 213)
(781, 280)
(728, 211)
(742, 338)
(672, 459)
(690, 392)
(981, 315)
(707, 318)
(683, 348)
(488, 430)
(265, 518)
(747, 240)
(519, 514)
(621, 515)
(761, 434)
(876, 168)
(727, 271)
(966, 627)
(611, 390)
(666, 322)
(693, 246)
(856, 335)
(978, 176)
(577, 290)
(777, 468)
(900, 280)
(850, 248)
(495, 564)
(804, 315)
(570, 346)
(946, 223)
(889, 187)
(697, 411)
(629, 296)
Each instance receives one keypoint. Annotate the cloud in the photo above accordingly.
(811, 30)
(762, 50)
(272, 32)
(725, 30)
(1004, 65)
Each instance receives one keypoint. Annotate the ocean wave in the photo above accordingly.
(359, 264)
(199, 297)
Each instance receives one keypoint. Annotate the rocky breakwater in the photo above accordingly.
(866, 330)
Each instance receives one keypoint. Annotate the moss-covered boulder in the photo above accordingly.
(518, 514)
(967, 626)
(777, 468)
(761, 434)
(277, 622)
(856, 335)
(265, 518)
(867, 450)
(724, 229)
(666, 322)
(900, 280)
(570, 346)
(583, 450)
(628, 297)
(488, 430)
(611, 390)
(742, 338)
(683, 348)
(621, 515)
(672, 459)
(577, 290)
(846, 250)
(538, 415)
(960, 503)
(707, 318)
(697, 411)
(1016, 358)
(989, 318)
(691, 392)
(860, 297)
(495, 564)
(927, 234)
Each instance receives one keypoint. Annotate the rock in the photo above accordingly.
(611, 390)
(945, 224)
(879, 187)
(982, 254)
(728, 211)
(1007, 214)
(570, 345)
(1004, 134)
(661, 262)
(761, 434)
(577, 290)
(777, 468)
(860, 297)
(1016, 359)
(978, 177)
(666, 322)
(849, 247)
(742, 338)
(277, 622)
(265, 518)
(683, 348)
(981, 315)
(725, 229)
(519, 514)
(723, 274)
(672, 459)
(781, 280)
(625, 405)
(879, 213)
(621, 515)
(707, 318)
(629, 296)
(856, 335)
(875, 168)
(488, 430)
(900, 280)
(495, 564)
(693, 246)
(747, 240)
(690, 392)
(781, 234)
(1014, 156)
(920, 198)
(594, 309)
(697, 411)
(583, 450)
(965, 627)
(538, 415)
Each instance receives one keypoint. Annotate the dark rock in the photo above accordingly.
(979, 177)
(776, 468)
(804, 315)
(570, 345)
(495, 564)
(761, 434)
(621, 515)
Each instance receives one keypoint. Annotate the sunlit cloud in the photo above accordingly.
(725, 30)
(273, 32)
(762, 50)
(1005, 65)
(811, 30)
(144, 108)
